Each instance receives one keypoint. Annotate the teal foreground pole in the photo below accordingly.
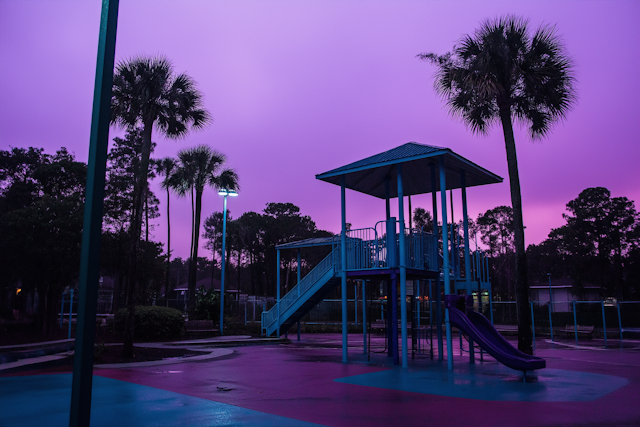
(80, 413)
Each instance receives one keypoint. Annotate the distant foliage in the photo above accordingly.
(41, 206)
(152, 323)
(207, 305)
(598, 245)
(251, 245)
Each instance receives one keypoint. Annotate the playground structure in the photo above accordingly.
(391, 251)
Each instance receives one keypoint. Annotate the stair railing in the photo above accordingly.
(299, 289)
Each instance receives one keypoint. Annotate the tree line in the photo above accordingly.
(599, 245)
(41, 207)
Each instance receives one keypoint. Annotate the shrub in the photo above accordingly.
(152, 323)
(207, 305)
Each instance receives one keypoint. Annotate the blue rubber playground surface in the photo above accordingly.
(122, 402)
(305, 384)
(495, 383)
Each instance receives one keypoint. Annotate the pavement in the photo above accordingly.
(305, 383)
(19, 356)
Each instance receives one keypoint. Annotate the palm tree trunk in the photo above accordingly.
(522, 285)
(166, 286)
(194, 263)
(135, 231)
(191, 258)
(213, 260)
(239, 261)
(146, 215)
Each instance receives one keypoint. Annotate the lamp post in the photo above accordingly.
(550, 294)
(223, 192)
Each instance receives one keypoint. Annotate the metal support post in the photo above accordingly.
(604, 323)
(277, 291)
(298, 284)
(355, 302)
(364, 316)
(439, 320)
(299, 272)
(387, 204)
(619, 321)
(343, 273)
(550, 323)
(445, 256)
(467, 258)
(393, 319)
(575, 322)
(430, 319)
(80, 412)
(533, 326)
(62, 309)
(222, 268)
(403, 271)
(70, 311)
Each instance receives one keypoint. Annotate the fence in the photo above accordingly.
(607, 318)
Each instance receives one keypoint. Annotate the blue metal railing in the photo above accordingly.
(367, 249)
(299, 290)
(431, 252)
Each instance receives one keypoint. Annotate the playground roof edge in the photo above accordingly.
(369, 175)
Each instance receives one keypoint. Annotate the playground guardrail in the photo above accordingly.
(299, 289)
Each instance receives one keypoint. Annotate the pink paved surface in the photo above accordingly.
(297, 381)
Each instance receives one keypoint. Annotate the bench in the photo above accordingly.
(199, 326)
(584, 330)
(506, 328)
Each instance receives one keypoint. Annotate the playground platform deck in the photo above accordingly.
(304, 383)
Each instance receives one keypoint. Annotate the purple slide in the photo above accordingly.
(482, 331)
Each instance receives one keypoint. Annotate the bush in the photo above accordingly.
(152, 323)
(207, 305)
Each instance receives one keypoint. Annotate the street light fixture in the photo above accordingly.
(223, 192)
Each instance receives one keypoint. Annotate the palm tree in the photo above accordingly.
(147, 94)
(166, 167)
(499, 74)
(200, 167)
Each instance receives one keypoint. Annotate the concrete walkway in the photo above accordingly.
(21, 355)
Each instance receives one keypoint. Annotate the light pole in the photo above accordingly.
(550, 294)
(223, 192)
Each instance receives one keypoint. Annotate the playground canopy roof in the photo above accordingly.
(368, 175)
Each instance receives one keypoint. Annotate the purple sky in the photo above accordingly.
(297, 88)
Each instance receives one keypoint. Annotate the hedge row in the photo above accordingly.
(152, 323)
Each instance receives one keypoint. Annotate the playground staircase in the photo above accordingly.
(302, 297)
